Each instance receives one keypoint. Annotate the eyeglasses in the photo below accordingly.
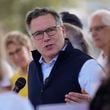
(97, 28)
(51, 31)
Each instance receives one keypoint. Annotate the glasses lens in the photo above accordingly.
(38, 35)
(51, 31)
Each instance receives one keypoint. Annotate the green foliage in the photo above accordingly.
(12, 12)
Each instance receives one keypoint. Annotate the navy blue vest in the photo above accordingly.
(62, 79)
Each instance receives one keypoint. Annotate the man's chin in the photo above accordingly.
(51, 55)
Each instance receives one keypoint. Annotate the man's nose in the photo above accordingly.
(46, 36)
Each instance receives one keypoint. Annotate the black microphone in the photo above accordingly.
(19, 84)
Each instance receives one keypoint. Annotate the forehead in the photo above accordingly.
(96, 21)
(42, 22)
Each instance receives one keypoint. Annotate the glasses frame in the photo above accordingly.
(50, 31)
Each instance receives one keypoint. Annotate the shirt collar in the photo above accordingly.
(41, 60)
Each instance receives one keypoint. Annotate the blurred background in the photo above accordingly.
(12, 12)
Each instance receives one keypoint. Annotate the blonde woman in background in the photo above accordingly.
(17, 47)
(8, 99)
(4, 83)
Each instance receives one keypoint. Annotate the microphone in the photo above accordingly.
(19, 84)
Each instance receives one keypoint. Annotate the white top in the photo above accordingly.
(5, 81)
(8, 70)
(90, 75)
(7, 73)
(102, 60)
(11, 101)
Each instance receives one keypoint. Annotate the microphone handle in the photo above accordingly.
(16, 89)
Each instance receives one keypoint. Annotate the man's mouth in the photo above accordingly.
(49, 46)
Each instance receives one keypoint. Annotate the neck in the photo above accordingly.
(48, 59)
(104, 52)
(24, 69)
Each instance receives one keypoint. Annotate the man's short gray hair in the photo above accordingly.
(36, 12)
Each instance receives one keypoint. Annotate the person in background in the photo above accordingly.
(8, 99)
(101, 100)
(5, 83)
(17, 47)
(71, 18)
(57, 68)
(75, 35)
(99, 27)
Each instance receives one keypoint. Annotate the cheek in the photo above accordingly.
(12, 59)
(107, 38)
(26, 55)
(39, 46)
(36, 44)
(60, 42)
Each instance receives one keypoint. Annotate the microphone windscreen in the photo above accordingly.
(19, 84)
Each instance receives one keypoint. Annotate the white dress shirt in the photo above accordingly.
(90, 76)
